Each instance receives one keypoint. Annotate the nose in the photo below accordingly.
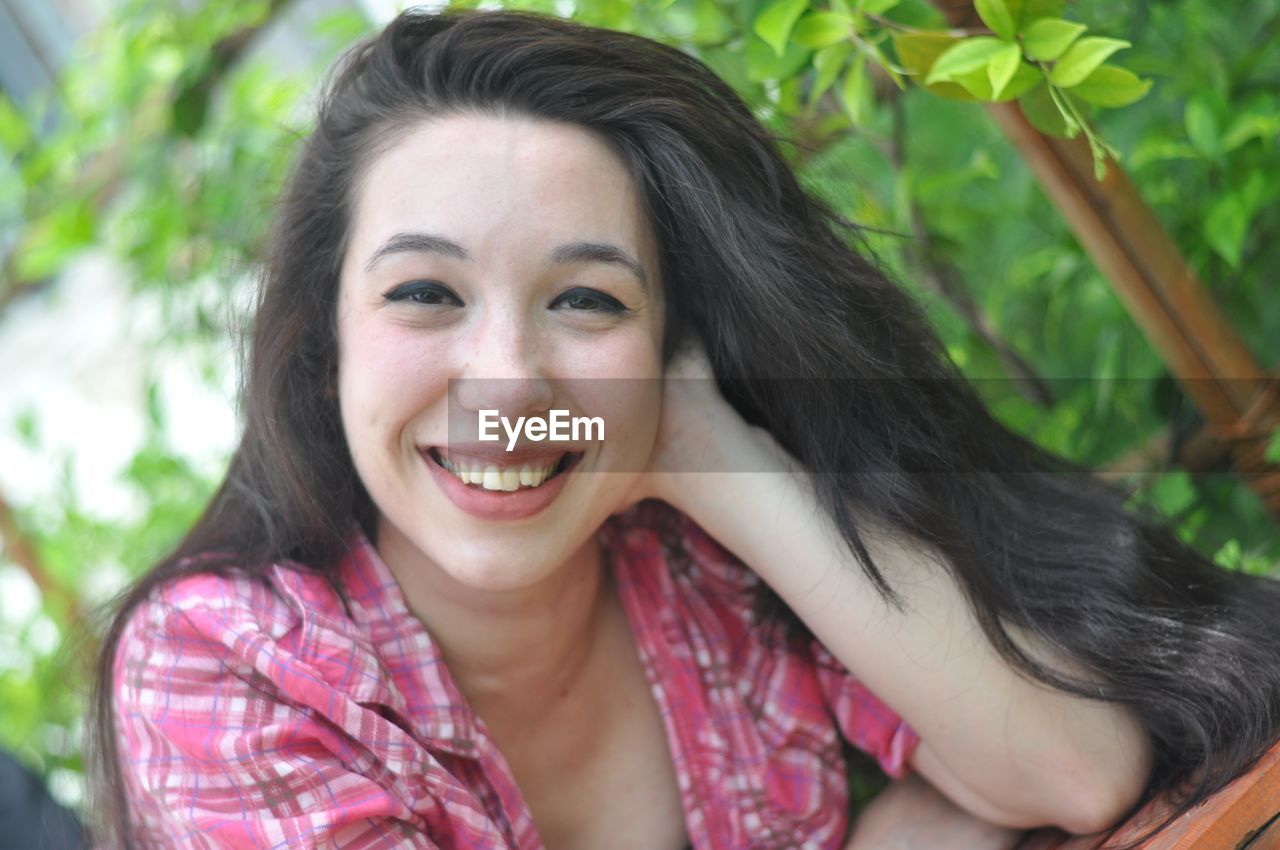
(502, 368)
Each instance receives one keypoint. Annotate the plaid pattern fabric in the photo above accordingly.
(263, 714)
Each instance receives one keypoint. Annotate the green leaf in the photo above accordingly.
(788, 98)
(1202, 127)
(1048, 38)
(878, 57)
(775, 23)
(1002, 67)
(828, 62)
(1230, 556)
(1152, 150)
(1111, 86)
(14, 131)
(763, 65)
(1038, 106)
(978, 83)
(1247, 127)
(996, 15)
(817, 30)
(711, 24)
(1024, 79)
(917, 51)
(855, 91)
(51, 240)
(1026, 11)
(1225, 226)
(965, 56)
(1082, 59)
(1173, 493)
(155, 407)
(876, 7)
(1273, 448)
(28, 428)
(953, 91)
(190, 108)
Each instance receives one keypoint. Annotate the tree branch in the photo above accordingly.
(19, 549)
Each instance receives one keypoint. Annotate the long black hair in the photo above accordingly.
(777, 287)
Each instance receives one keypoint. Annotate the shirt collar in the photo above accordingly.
(421, 687)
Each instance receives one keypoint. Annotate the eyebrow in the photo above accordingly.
(567, 254)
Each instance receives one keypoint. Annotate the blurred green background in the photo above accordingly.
(142, 144)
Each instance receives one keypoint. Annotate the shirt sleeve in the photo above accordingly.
(215, 756)
(863, 718)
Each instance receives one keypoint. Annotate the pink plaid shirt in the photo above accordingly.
(263, 714)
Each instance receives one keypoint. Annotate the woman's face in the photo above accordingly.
(474, 280)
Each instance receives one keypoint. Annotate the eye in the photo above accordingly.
(424, 292)
(589, 300)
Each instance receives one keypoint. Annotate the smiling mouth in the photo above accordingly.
(485, 475)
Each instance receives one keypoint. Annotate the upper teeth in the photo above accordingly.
(492, 477)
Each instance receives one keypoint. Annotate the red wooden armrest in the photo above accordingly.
(1243, 816)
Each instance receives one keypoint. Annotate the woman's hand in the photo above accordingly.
(910, 814)
(702, 440)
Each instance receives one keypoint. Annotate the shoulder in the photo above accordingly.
(211, 602)
(227, 610)
(246, 711)
(282, 630)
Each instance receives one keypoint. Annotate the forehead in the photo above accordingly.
(499, 186)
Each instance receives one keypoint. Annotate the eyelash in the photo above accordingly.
(606, 303)
(420, 291)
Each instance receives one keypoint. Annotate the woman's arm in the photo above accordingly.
(1007, 749)
(910, 814)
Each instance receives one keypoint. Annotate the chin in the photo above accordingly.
(498, 565)
(497, 575)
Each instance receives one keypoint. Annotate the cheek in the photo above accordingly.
(385, 376)
(628, 390)
(622, 384)
(631, 352)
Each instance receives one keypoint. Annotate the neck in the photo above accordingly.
(515, 651)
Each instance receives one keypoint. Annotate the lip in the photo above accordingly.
(498, 504)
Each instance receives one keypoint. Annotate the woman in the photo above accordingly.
(387, 632)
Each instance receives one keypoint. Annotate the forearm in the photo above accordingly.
(910, 814)
(1016, 752)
